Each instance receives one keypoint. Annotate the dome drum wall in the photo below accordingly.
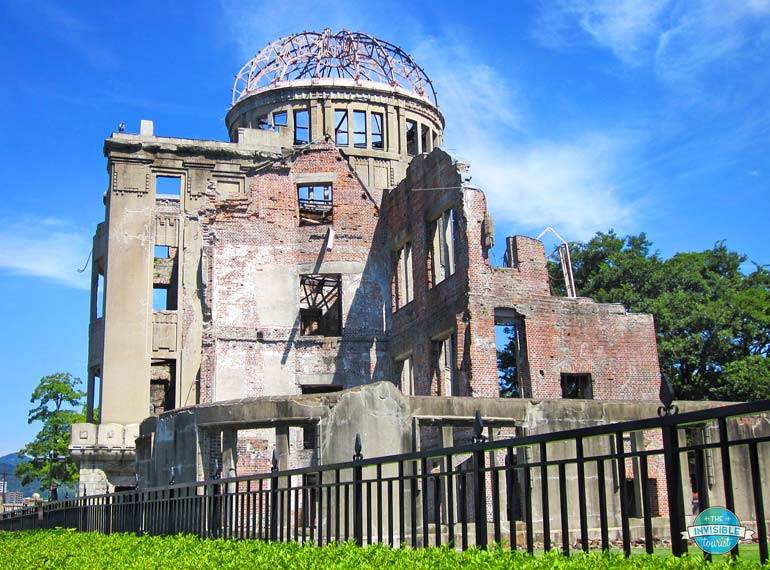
(375, 119)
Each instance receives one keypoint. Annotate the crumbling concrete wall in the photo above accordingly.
(179, 442)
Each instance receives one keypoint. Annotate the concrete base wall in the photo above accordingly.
(195, 442)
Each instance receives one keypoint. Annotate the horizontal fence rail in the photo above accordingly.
(606, 486)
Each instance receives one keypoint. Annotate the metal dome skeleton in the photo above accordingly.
(345, 56)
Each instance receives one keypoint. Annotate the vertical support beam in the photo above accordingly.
(358, 502)
(727, 476)
(229, 456)
(480, 488)
(674, 488)
(447, 440)
(282, 446)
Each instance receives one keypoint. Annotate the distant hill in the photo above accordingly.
(8, 465)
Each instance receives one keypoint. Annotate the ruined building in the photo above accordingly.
(329, 244)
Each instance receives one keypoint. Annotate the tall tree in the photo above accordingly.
(712, 318)
(54, 399)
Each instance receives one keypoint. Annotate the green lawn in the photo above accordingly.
(69, 549)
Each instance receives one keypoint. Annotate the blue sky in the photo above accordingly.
(638, 115)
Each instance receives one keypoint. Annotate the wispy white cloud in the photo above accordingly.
(678, 39)
(530, 181)
(626, 27)
(48, 248)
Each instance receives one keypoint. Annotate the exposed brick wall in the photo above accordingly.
(562, 335)
(254, 252)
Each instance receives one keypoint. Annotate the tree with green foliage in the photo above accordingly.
(507, 376)
(54, 397)
(712, 319)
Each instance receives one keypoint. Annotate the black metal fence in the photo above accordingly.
(613, 485)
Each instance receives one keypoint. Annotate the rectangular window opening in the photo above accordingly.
(99, 296)
(425, 138)
(168, 185)
(411, 138)
(96, 412)
(378, 131)
(163, 299)
(162, 386)
(445, 365)
(301, 127)
(442, 254)
(403, 282)
(341, 127)
(406, 375)
(310, 437)
(316, 203)
(320, 302)
(161, 252)
(280, 120)
(576, 386)
(509, 348)
(359, 129)
(263, 123)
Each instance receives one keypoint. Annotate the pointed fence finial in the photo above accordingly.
(667, 396)
(478, 427)
(274, 468)
(357, 448)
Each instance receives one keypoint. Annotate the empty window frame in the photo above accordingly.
(280, 120)
(510, 350)
(161, 252)
(442, 239)
(425, 138)
(378, 131)
(341, 127)
(263, 123)
(163, 298)
(576, 386)
(405, 370)
(315, 204)
(403, 282)
(411, 138)
(99, 293)
(301, 127)
(162, 386)
(310, 437)
(445, 364)
(168, 185)
(320, 305)
(359, 129)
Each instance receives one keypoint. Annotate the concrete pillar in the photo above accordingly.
(229, 453)
(126, 368)
(392, 135)
(282, 446)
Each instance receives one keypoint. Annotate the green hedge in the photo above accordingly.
(69, 549)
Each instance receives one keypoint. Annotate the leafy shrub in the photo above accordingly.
(69, 549)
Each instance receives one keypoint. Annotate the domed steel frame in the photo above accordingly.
(345, 55)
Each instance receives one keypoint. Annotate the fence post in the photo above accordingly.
(358, 505)
(480, 489)
(674, 488)
(274, 497)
